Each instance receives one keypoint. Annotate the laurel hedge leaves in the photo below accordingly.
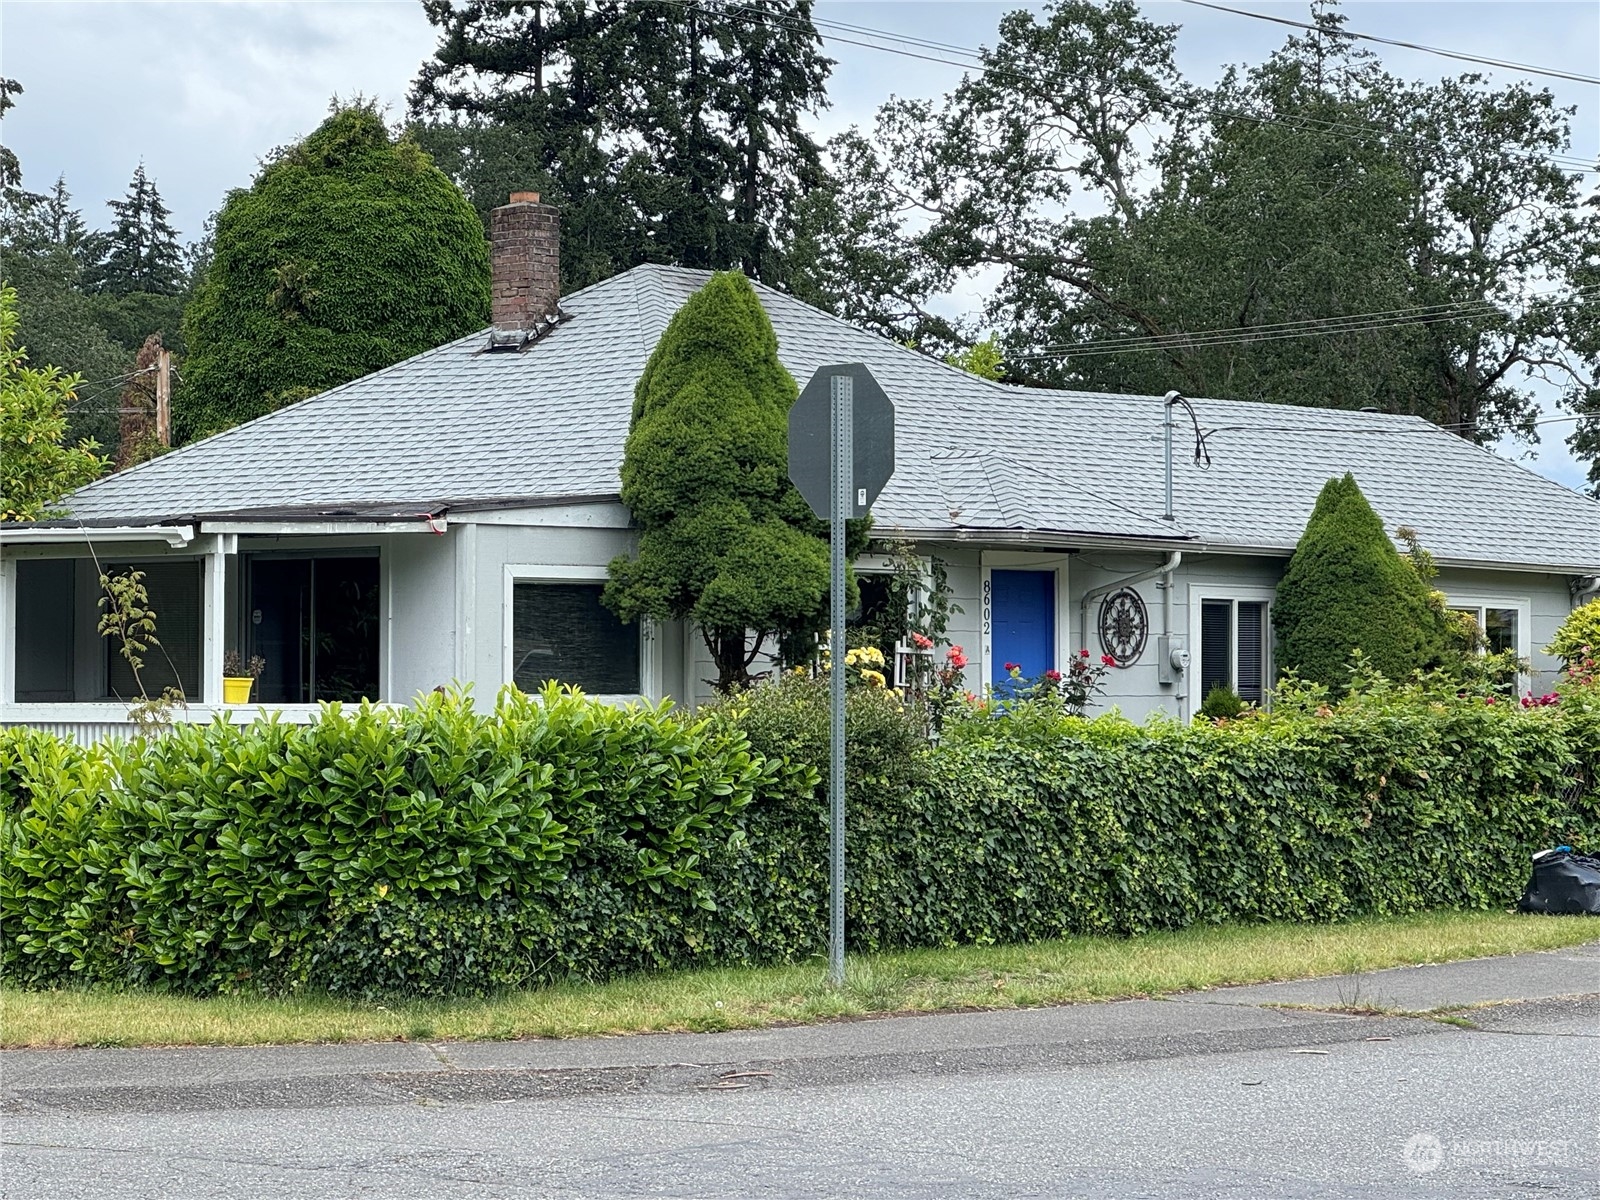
(438, 850)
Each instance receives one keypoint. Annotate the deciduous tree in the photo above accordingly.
(36, 468)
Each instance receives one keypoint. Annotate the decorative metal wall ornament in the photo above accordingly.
(1124, 626)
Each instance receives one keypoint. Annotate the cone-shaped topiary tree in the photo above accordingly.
(724, 538)
(1347, 588)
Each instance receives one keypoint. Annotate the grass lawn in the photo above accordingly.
(1072, 970)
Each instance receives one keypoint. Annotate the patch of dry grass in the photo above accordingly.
(1067, 971)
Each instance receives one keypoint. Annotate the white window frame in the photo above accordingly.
(649, 633)
(1020, 560)
(1199, 593)
(1522, 605)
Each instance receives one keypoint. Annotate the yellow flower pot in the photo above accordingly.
(236, 689)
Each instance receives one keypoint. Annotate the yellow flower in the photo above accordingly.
(875, 678)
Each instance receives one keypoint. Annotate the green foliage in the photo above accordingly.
(36, 469)
(350, 252)
(227, 856)
(724, 538)
(141, 253)
(435, 850)
(1346, 588)
(1579, 635)
(1222, 703)
(1308, 186)
(983, 359)
(665, 132)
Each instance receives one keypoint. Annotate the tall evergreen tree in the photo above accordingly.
(666, 131)
(1347, 588)
(142, 252)
(725, 540)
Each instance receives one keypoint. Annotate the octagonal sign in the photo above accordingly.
(811, 437)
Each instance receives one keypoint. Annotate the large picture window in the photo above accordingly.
(561, 631)
(1235, 645)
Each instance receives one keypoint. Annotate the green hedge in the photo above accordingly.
(221, 856)
(437, 850)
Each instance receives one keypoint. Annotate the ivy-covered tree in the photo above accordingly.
(725, 540)
(665, 131)
(36, 468)
(1346, 589)
(141, 252)
(349, 252)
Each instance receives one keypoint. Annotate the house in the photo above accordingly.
(450, 518)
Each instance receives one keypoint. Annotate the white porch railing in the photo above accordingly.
(95, 722)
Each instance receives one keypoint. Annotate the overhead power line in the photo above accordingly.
(1249, 335)
(1571, 164)
(1458, 55)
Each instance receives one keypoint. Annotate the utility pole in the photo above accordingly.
(164, 397)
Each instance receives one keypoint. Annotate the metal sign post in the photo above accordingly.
(843, 395)
(841, 454)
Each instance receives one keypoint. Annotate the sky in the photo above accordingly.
(199, 92)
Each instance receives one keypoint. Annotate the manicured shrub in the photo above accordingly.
(1222, 703)
(222, 855)
(1346, 588)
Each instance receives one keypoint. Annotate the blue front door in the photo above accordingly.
(1022, 615)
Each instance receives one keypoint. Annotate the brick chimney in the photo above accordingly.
(525, 264)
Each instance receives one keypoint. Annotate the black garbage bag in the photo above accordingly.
(1563, 882)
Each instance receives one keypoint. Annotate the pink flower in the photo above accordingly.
(1053, 675)
(1107, 660)
(921, 641)
(1083, 653)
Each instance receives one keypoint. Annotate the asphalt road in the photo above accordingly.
(1205, 1096)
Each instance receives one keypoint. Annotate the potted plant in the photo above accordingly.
(237, 676)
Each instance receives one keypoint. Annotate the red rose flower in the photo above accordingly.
(1083, 653)
(1107, 660)
(1013, 666)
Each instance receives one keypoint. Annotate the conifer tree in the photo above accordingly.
(1347, 588)
(142, 253)
(665, 131)
(725, 540)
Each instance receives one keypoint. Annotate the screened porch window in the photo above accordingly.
(173, 659)
(313, 620)
(561, 631)
(1234, 642)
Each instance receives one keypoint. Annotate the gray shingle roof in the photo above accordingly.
(456, 426)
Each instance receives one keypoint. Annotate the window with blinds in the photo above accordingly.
(561, 631)
(1216, 645)
(174, 587)
(1251, 667)
(1235, 648)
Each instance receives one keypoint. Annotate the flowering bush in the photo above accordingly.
(1070, 691)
